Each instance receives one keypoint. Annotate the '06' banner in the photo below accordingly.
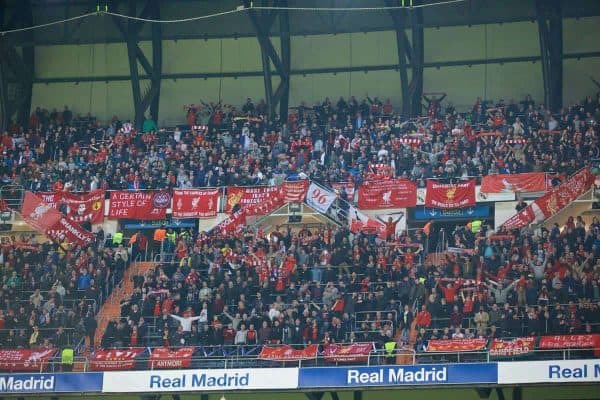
(79, 207)
(144, 205)
(450, 195)
(319, 198)
(393, 193)
(195, 203)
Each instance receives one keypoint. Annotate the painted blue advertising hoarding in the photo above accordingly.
(426, 214)
(51, 383)
(398, 375)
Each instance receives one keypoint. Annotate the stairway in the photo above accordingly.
(112, 307)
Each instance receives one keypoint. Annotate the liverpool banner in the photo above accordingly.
(233, 224)
(195, 203)
(454, 345)
(511, 348)
(553, 201)
(562, 195)
(392, 193)
(288, 353)
(294, 192)
(247, 196)
(144, 205)
(527, 182)
(571, 342)
(337, 353)
(51, 222)
(78, 207)
(166, 358)
(23, 360)
(450, 195)
(114, 359)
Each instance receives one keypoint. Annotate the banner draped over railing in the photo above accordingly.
(78, 207)
(526, 182)
(23, 360)
(450, 195)
(195, 203)
(51, 222)
(115, 359)
(553, 201)
(166, 358)
(512, 348)
(288, 353)
(571, 342)
(456, 345)
(392, 193)
(355, 352)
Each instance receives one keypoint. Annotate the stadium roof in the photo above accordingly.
(102, 29)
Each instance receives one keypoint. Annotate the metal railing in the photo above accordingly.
(223, 357)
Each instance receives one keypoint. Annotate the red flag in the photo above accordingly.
(450, 195)
(294, 192)
(527, 182)
(79, 207)
(39, 214)
(195, 203)
(144, 205)
(392, 193)
(165, 358)
(246, 196)
(115, 359)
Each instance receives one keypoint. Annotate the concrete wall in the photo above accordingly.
(462, 83)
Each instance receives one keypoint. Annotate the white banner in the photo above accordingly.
(319, 198)
(549, 371)
(200, 380)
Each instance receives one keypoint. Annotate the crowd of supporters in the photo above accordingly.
(326, 285)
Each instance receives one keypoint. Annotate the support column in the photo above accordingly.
(409, 54)
(148, 98)
(262, 23)
(549, 19)
(314, 395)
(517, 393)
(357, 395)
(16, 70)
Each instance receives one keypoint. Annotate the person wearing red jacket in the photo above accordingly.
(450, 290)
(423, 319)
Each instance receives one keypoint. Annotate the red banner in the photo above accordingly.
(247, 196)
(70, 230)
(393, 193)
(336, 353)
(79, 207)
(571, 342)
(511, 348)
(165, 358)
(195, 203)
(454, 345)
(565, 193)
(144, 205)
(233, 224)
(520, 219)
(554, 201)
(115, 360)
(450, 195)
(51, 222)
(288, 353)
(294, 192)
(23, 360)
(527, 182)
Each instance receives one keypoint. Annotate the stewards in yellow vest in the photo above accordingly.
(117, 239)
(172, 236)
(475, 225)
(66, 359)
(390, 349)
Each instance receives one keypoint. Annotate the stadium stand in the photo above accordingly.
(244, 290)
